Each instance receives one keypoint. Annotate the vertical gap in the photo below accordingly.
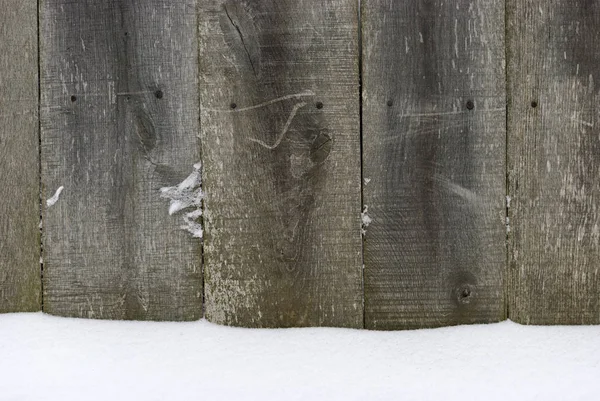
(360, 116)
(199, 136)
(39, 132)
(506, 161)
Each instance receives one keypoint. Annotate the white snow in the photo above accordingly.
(51, 201)
(58, 359)
(191, 223)
(365, 219)
(187, 195)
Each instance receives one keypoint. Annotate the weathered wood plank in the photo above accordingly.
(554, 161)
(119, 122)
(281, 154)
(19, 158)
(434, 162)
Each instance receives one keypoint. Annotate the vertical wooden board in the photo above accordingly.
(281, 157)
(120, 122)
(554, 161)
(19, 158)
(433, 162)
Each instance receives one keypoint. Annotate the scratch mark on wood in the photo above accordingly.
(285, 128)
(495, 110)
(582, 122)
(321, 148)
(306, 93)
(457, 189)
(133, 93)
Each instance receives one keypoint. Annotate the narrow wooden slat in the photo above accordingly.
(119, 122)
(554, 161)
(434, 162)
(281, 154)
(19, 158)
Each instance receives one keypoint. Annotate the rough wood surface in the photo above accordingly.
(19, 165)
(434, 162)
(281, 153)
(119, 122)
(554, 161)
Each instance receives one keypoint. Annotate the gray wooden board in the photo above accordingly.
(433, 162)
(282, 169)
(19, 165)
(554, 161)
(119, 122)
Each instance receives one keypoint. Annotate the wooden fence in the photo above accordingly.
(421, 163)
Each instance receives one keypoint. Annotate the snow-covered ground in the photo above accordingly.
(49, 358)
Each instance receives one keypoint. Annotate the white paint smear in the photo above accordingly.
(54, 199)
(187, 195)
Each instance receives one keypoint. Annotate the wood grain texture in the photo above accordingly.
(554, 161)
(434, 162)
(119, 122)
(281, 153)
(19, 158)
